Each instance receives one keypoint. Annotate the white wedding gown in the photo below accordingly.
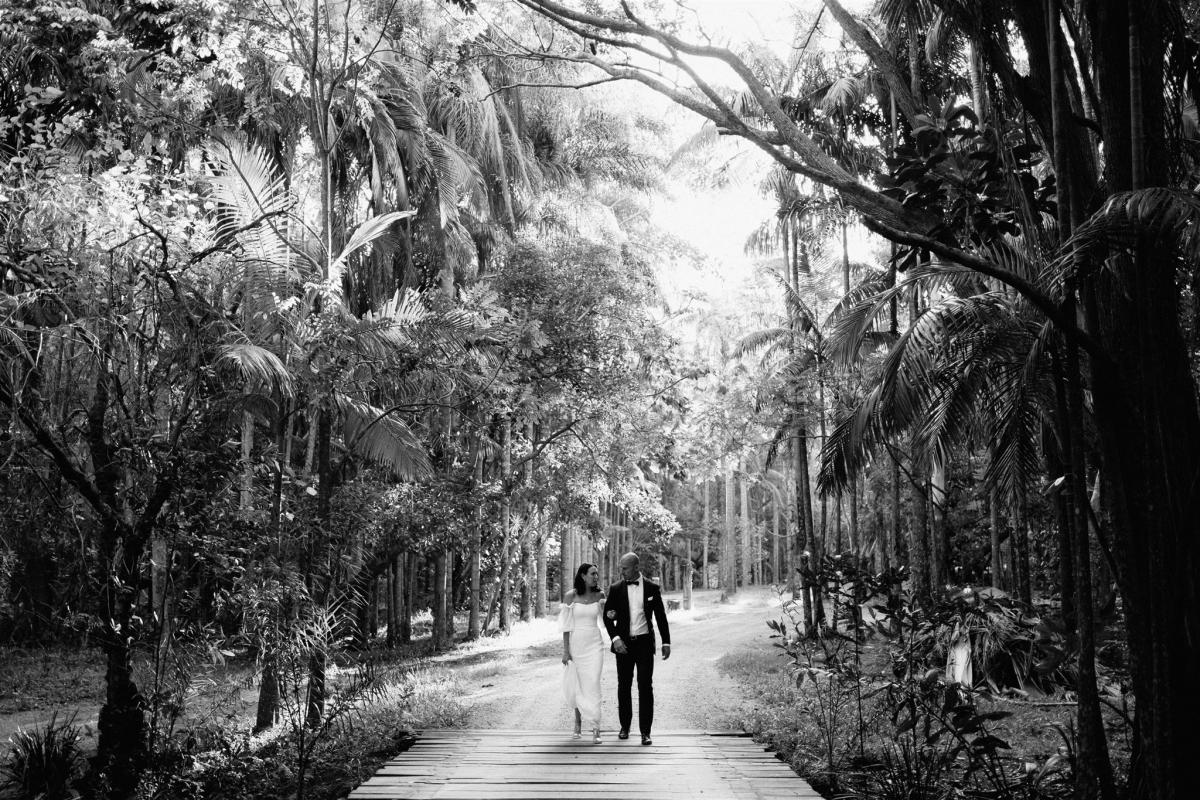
(581, 679)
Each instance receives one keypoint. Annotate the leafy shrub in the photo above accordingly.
(1009, 646)
(873, 715)
(43, 763)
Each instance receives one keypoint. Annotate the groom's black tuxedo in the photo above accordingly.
(639, 653)
(617, 602)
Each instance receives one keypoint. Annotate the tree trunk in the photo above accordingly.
(438, 634)
(246, 488)
(687, 577)
(528, 555)
(995, 539)
(543, 557)
(267, 713)
(854, 542)
(778, 534)
(475, 550)
(728, 583)
(449, 602)
(891, 557)
(939, 558)
(704, 544)
(526, 574)
(978, 89)
(506, 525)
(160, 559)
(802, 559)
(818, 547)
(320, 570)
(838, 545)
(918, 539)
(407, 564)
(373, 610)
(392, 606)
(1146, 416)
(121, 748)
(745, 531)
(565, 569)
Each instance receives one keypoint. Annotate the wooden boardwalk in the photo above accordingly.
(540, 765)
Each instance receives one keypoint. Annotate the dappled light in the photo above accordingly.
(802, 391)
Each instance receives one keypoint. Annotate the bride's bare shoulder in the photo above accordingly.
(569, 597)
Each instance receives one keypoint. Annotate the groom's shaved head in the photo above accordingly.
(629, 566)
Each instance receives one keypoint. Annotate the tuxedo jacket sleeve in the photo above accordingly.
(616, 612)
(655, 609)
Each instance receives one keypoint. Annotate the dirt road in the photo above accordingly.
(523, 691)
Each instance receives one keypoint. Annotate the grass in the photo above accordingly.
(48, 678)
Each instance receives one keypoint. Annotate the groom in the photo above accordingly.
(634, 606)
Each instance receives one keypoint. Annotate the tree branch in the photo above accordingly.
(542, 445)
(583, 85)
(71, 472)
(1041, 301)
(883, 215)
(897, 85)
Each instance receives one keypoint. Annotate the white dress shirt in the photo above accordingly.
(637, 608)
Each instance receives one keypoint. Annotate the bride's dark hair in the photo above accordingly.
(581, 586)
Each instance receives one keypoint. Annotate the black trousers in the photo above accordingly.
(639, 657)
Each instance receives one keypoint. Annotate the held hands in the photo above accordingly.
(619, 646)
(666, 651)
(566, 658)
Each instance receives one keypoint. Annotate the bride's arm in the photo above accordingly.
(600, 621)
(564, 624)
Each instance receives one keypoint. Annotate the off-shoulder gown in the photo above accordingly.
(581, 679)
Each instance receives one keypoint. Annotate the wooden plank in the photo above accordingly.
(537, 765)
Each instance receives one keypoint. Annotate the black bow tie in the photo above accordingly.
(633, 583)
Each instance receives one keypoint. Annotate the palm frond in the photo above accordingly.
(247, 187)
(847, 327)
(258, 365)
(852, 439)
(844, 93)
(797, 309)
(383, 438)
(405, 308)
(1015, 257)
(1169, 215)
(700, 141)
(362, 236)
(755, 341)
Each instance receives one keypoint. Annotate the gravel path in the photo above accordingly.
(515, 682)
(523, 690)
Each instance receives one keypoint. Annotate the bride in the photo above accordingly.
(583, 648)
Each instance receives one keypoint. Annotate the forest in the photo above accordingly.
(335, 334)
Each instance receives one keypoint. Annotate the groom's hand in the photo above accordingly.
(619, 645)
(666, 648)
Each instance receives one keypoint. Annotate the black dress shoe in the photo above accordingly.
(623, 733)
(646, 739)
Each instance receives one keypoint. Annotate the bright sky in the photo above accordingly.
(718, 222)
